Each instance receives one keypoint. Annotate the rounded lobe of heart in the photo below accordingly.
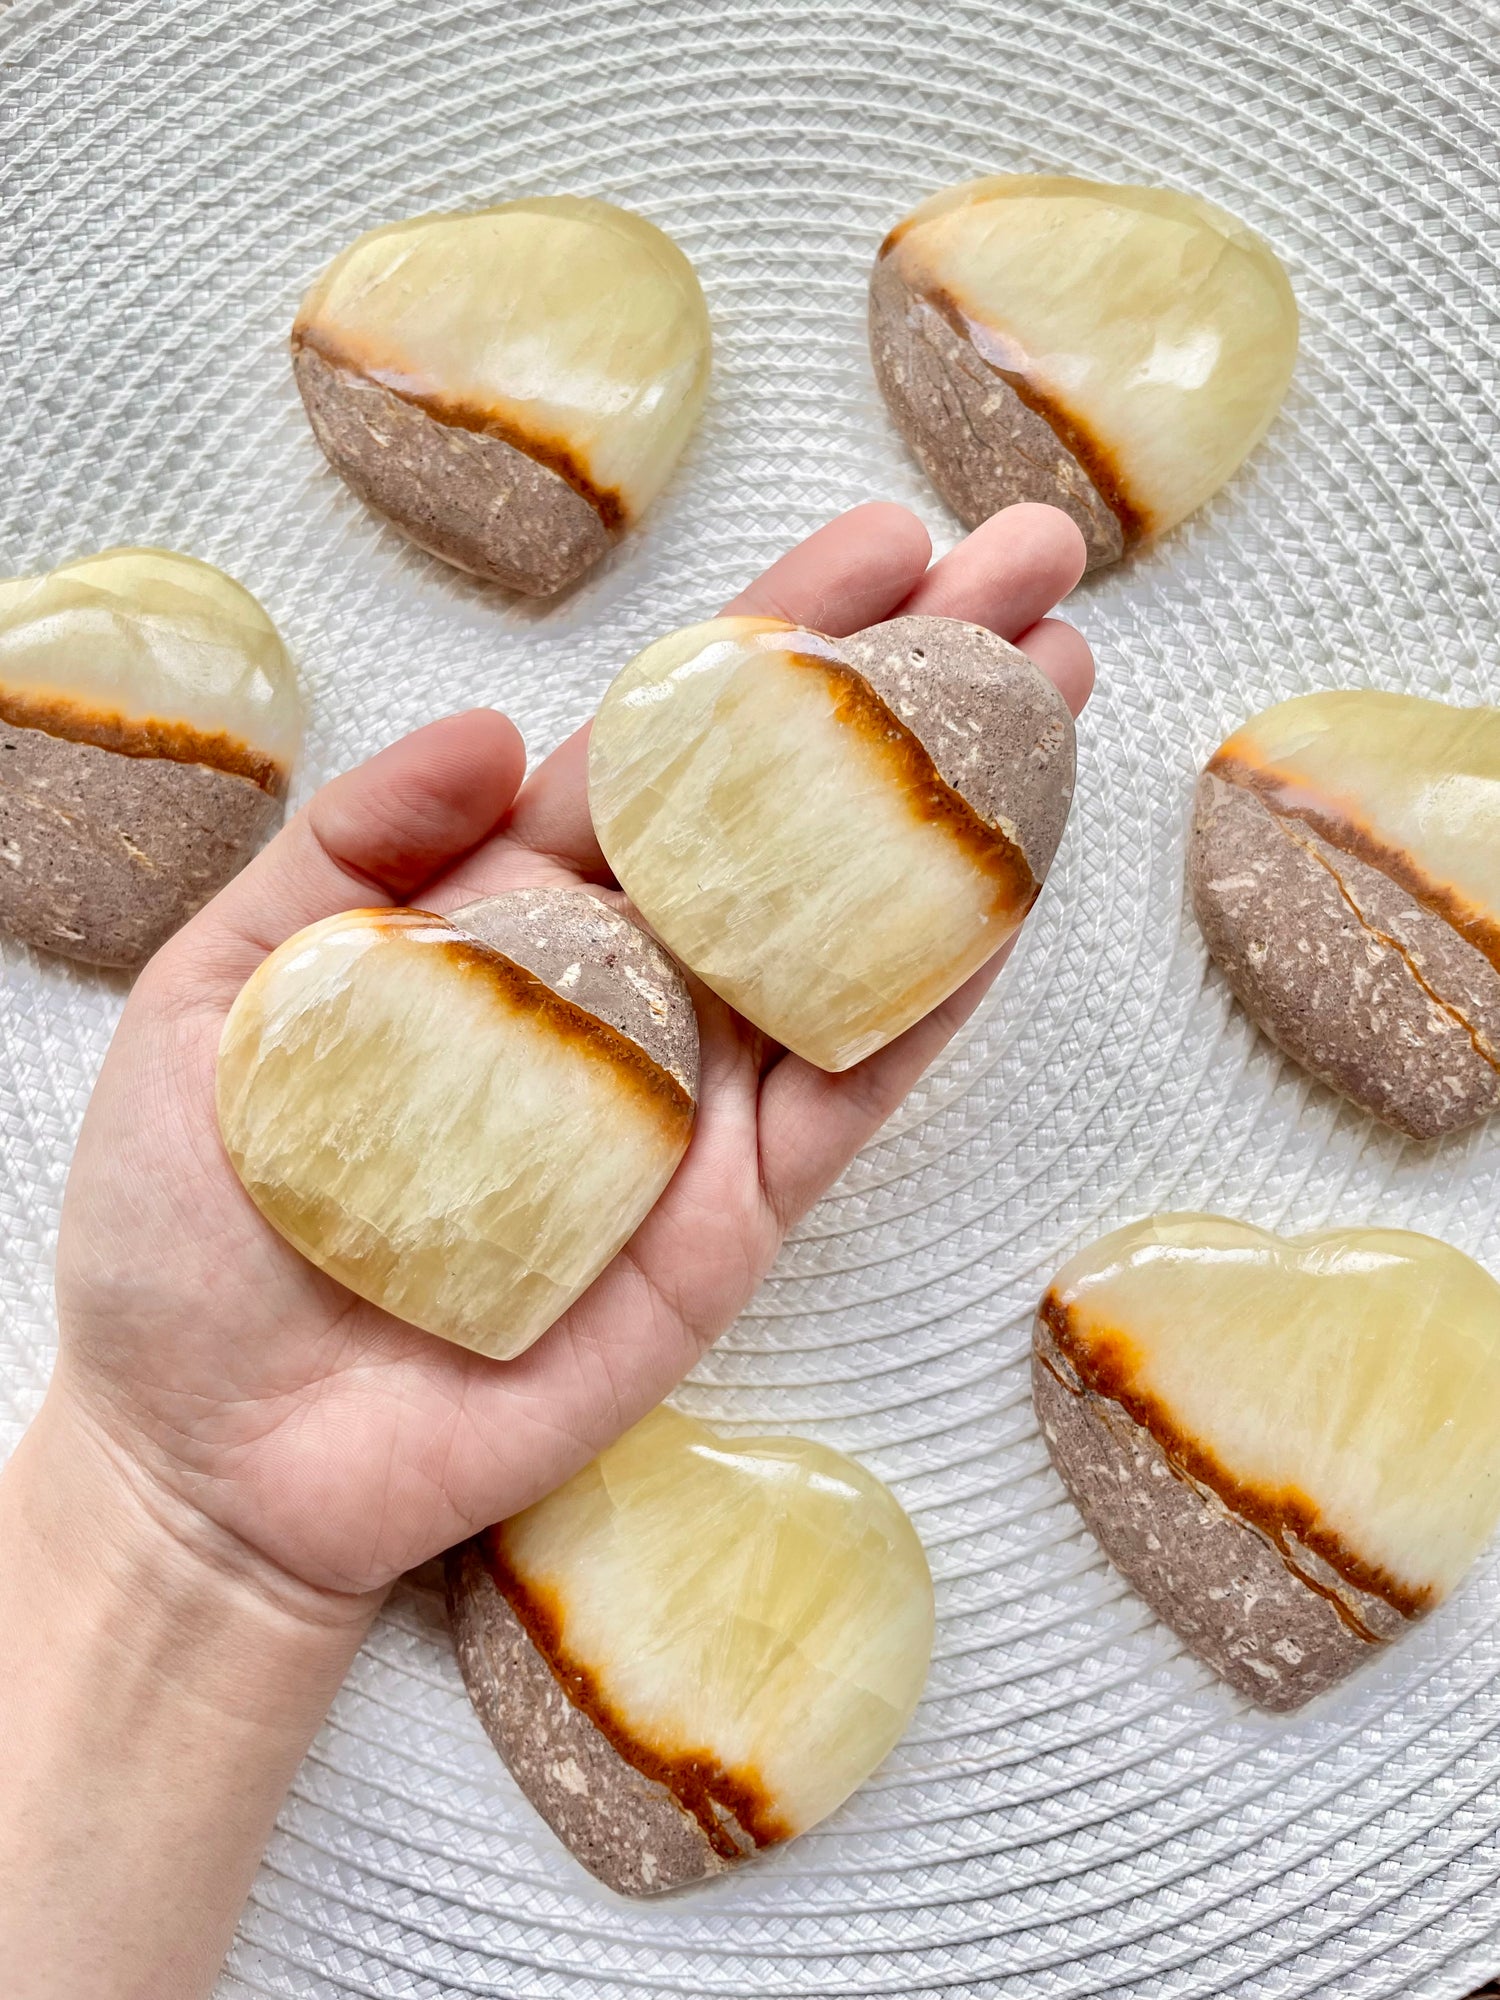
(1117, 351)
(443, 1130)
(569, 331)
(696, 1648)
(1342, 867)
(1289, 1445)
(149, 719)
(832, 834)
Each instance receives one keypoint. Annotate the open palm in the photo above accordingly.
(314, 1429)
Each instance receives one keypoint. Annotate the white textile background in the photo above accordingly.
(1078, 1810)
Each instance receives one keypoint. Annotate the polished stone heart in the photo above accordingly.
(696, 1648)
(1290, 1446)
(511, 386)
(1113, 351)
(832, 833)
(149, 720)
(462, 1120)
(1345, 871)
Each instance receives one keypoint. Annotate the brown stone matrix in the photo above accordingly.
(985, 436)
(1227, 1568)
(596, 960)
(1357, 975)
(496, 506)
(997, 732)
(106, 854)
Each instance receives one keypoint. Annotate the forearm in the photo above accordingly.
(156, 1695)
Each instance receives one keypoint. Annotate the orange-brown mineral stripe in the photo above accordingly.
(527, 994)
(78, 721)
(555, 453)
(697, 1780)
(1296, 798)
(1100, 463)
(1105, 1361)
(930, 797)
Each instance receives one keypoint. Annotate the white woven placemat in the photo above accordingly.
(1077, 1810)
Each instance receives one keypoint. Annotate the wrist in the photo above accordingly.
(99, 1528)
(159, 1685)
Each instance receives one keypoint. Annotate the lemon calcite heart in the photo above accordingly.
(831, 833)
(1345, 871)
(1290, 1446)
(1114, 351)
(462, 1119)
(696, 1648)
(512, 386)
(149, 720)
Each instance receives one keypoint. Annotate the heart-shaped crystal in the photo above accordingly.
(1290, 1446)
(511, 386)
(462, 1120)
(1115, 351)
(695, 1648)
(832, 833)
(1345, 871)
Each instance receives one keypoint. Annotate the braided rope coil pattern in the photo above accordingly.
(1078, 1809)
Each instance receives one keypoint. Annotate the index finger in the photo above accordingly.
(850, 573)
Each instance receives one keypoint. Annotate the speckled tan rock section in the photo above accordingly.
(593, 956)
(475, 500)
(103, 856)
(997, 730)
(623, 1827)
(1378, 996)
(1279, 1634)
(979, 444)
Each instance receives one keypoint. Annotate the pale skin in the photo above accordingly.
(236, 1458)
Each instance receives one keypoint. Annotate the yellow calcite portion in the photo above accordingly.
(152, 636)
(1357, 1367)
(763, 839)
(1422, 778)
(423, 1137)
(763, 1599)
(1163, 327)
(574, 323)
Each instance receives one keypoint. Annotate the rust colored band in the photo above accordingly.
(131, 736)
(554, 453)
(696, 1779)
(1100, 464)
(927, 793)
(1291, 798)
(1103, 1359)
(571, 1023)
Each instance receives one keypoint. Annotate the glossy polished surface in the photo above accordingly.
(1156, 332)
(436, 1129)
(1354, 1373)
(138, 636)
(756, 812)
(1410, 783)
(760, 1604)
(1330, 549)
(573, 328)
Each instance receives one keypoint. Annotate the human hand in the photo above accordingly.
(291, 1425)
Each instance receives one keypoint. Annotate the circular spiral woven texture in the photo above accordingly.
(1078, 1809)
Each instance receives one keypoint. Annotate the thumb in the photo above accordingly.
(374, 836)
